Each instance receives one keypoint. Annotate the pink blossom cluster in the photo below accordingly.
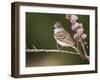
(77, 28)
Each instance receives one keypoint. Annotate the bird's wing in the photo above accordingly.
(64, 37)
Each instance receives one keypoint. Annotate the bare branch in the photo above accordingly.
(54, 50)
(50, 50)
(34, 47)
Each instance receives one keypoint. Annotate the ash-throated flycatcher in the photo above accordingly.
(61, 36)
(64, 39)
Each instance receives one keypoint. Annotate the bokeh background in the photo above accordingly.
(39, 33)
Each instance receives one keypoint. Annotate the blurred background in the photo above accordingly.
(39, 33)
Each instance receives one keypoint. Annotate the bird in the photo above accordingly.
(62, 37)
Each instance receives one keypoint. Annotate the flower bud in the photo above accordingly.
(75, 26)
(73, 19)
(83, 36)
(80, 25)
(67, 16)
(79, 31)
(75, 36)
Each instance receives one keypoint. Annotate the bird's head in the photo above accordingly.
(57, 25)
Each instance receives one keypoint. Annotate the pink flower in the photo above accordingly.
(75, 26)
(83, 36)
(79, 31)
(73, 19)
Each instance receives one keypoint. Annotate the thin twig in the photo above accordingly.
(84, 50)
(50, 50)
(34, 47)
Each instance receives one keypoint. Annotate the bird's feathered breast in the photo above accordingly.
(64, 36)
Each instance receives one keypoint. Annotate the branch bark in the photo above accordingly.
(50, 50)
(55, 50)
